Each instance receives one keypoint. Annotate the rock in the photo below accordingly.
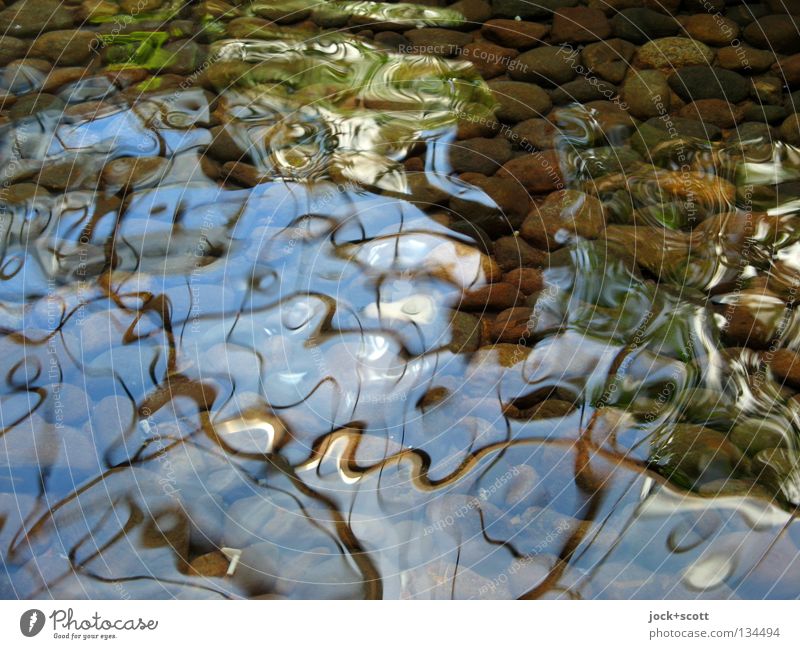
(512, 326)
(777, 469)
(696, 455)
(601, 161)
(489, 59)
(762, 113)
(744, 14)
(134, 7)
(563, 215)
(538, 172)
(475, 11)
(752, 318)
(713, 111)
(766, 89)
(548, 409)
(509, 196)
(527, 10)
(579, 25)
(519, 34)
(789, 70)
(133, 173)
(64, 176)
(36, 103)
(646, 93)
(515, 252)
(609, 59)
(790, 129)
(550, 64)
(65, 46)
(437, 42)
(497, 296)
(582, 90)
(465, 333)
(785, 365)
(673, 52)
(32, 17)
(640, 25)
(702, 82)
(479, 155)
(776, 33)
(712, 29)
(534, 133)
(756, 435)
(519, 101)
(13, 48)
(185, 57)
(527, 280)
(224, 148)
(743, 58)
(213, 564)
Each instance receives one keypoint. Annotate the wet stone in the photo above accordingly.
(774, 33)
(32, 17)
(714, 111)
(639, 25)
(518, 34)
(790, 129)
(549, 64)
(479, 155)
(519, 101)
(700, 82)
(610, 59)
(646, 93)
(527, 10)
(33, 104)
(711, 29)
(538, 172)
(673, 52)
(133, 173)
(563, 216)
(489, 59)
(579, 25)
(65, 47)
(500, 295)
(745, 59)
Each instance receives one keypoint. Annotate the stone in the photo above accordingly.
(713, 111)
(764, 113)
(527, 280)
(777, 469)
(479, 155)
(32, 17)
(212, 564)
(766, 89)
(509, 196)
(582, 90)
(518, 34)
(790, 129)
(640, 25)
(744, 59)
(514, 252)
(512, 326)
(475, 11)
(776, 33)
(536, 133)
(646, 93)
(756, 435)
(185, 57)
(702, 82)
(489, 59)
(497, 296)
(579, 25)
(789, 70)
(223, 146)
(133, 173)
(435, 41)
(519, 101)
(465, 333)
(785, 365)
(526, 9)
(563, 215)
(65, 46)
(673, 52)
(610, 59)
(549, 64)
(64, 176)
(13, 48)
(712, 29)
(36, 103)
(538, 172)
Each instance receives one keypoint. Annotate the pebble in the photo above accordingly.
(437, 42)
(527, 10)
(497, 296)
(775, 33)
(745, 59)
(673, 52)
(518, 34)
(65, 47)
(639, 25)
(133, 173)
(549, 64)
(702, 82)
(480, 155)
(563, 216)
(519, 101)
(647, 93)
(527, 280)
(512, 326)
(789, 70)
(712, 29)
(790, 129)
(489, 59)
(538, 172)
(718, 112)
(538, 133)
(609, 59)
(579, 25)
(32, 17)
(513, 252)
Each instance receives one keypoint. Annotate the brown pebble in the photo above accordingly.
(498, 296)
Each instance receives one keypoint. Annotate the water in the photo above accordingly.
(266, 366)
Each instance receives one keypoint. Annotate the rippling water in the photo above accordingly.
(269, 379)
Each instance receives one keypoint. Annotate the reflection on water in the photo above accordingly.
(244, 355)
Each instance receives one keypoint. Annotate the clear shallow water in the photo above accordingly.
(275, 366)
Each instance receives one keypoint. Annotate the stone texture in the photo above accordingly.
(519, 34)
(519, 101)
(550, 64)
(701, 82)
(579, 25)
